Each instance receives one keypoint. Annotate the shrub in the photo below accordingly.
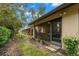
(20, 35)
(4, 35)
(71, 45)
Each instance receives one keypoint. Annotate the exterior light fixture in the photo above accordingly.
(49, 22)
(64, 13)
(60, 14)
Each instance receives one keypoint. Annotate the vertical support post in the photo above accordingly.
(50, 31)
(33, 31)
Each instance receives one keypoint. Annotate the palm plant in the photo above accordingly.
(37, 14)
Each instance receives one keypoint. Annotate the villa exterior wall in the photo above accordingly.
(70, 22)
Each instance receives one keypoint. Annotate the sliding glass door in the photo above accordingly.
(56, 29)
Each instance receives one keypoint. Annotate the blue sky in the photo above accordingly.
(49, 7)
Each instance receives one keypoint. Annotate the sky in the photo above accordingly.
(49, 7)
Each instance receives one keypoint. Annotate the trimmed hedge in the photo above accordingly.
(71, 45)
(4, 35)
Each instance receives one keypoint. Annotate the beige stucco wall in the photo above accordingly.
(70, 22)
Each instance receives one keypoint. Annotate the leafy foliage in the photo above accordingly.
(4, 35)
(23, 36)
(20, 35)
(31, 14)
(41, 10)
(21, 9)
(35, 14)
(71, 45)
(9, 17)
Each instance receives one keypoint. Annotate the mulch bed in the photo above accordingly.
(10, 49)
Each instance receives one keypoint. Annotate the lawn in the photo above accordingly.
(30, 50)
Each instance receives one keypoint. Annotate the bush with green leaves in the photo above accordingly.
(4, 35)
(71, 45)
(20, 35)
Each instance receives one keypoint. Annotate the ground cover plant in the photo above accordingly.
(71, 45)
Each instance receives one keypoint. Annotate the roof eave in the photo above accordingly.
(53, 11)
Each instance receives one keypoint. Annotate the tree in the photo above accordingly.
(9, 17)
(21, 9)
(32, 11)
(41, 10)
(37, 14)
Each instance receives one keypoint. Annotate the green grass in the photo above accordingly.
(30, 50)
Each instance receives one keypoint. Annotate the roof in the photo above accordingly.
(62, 6)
